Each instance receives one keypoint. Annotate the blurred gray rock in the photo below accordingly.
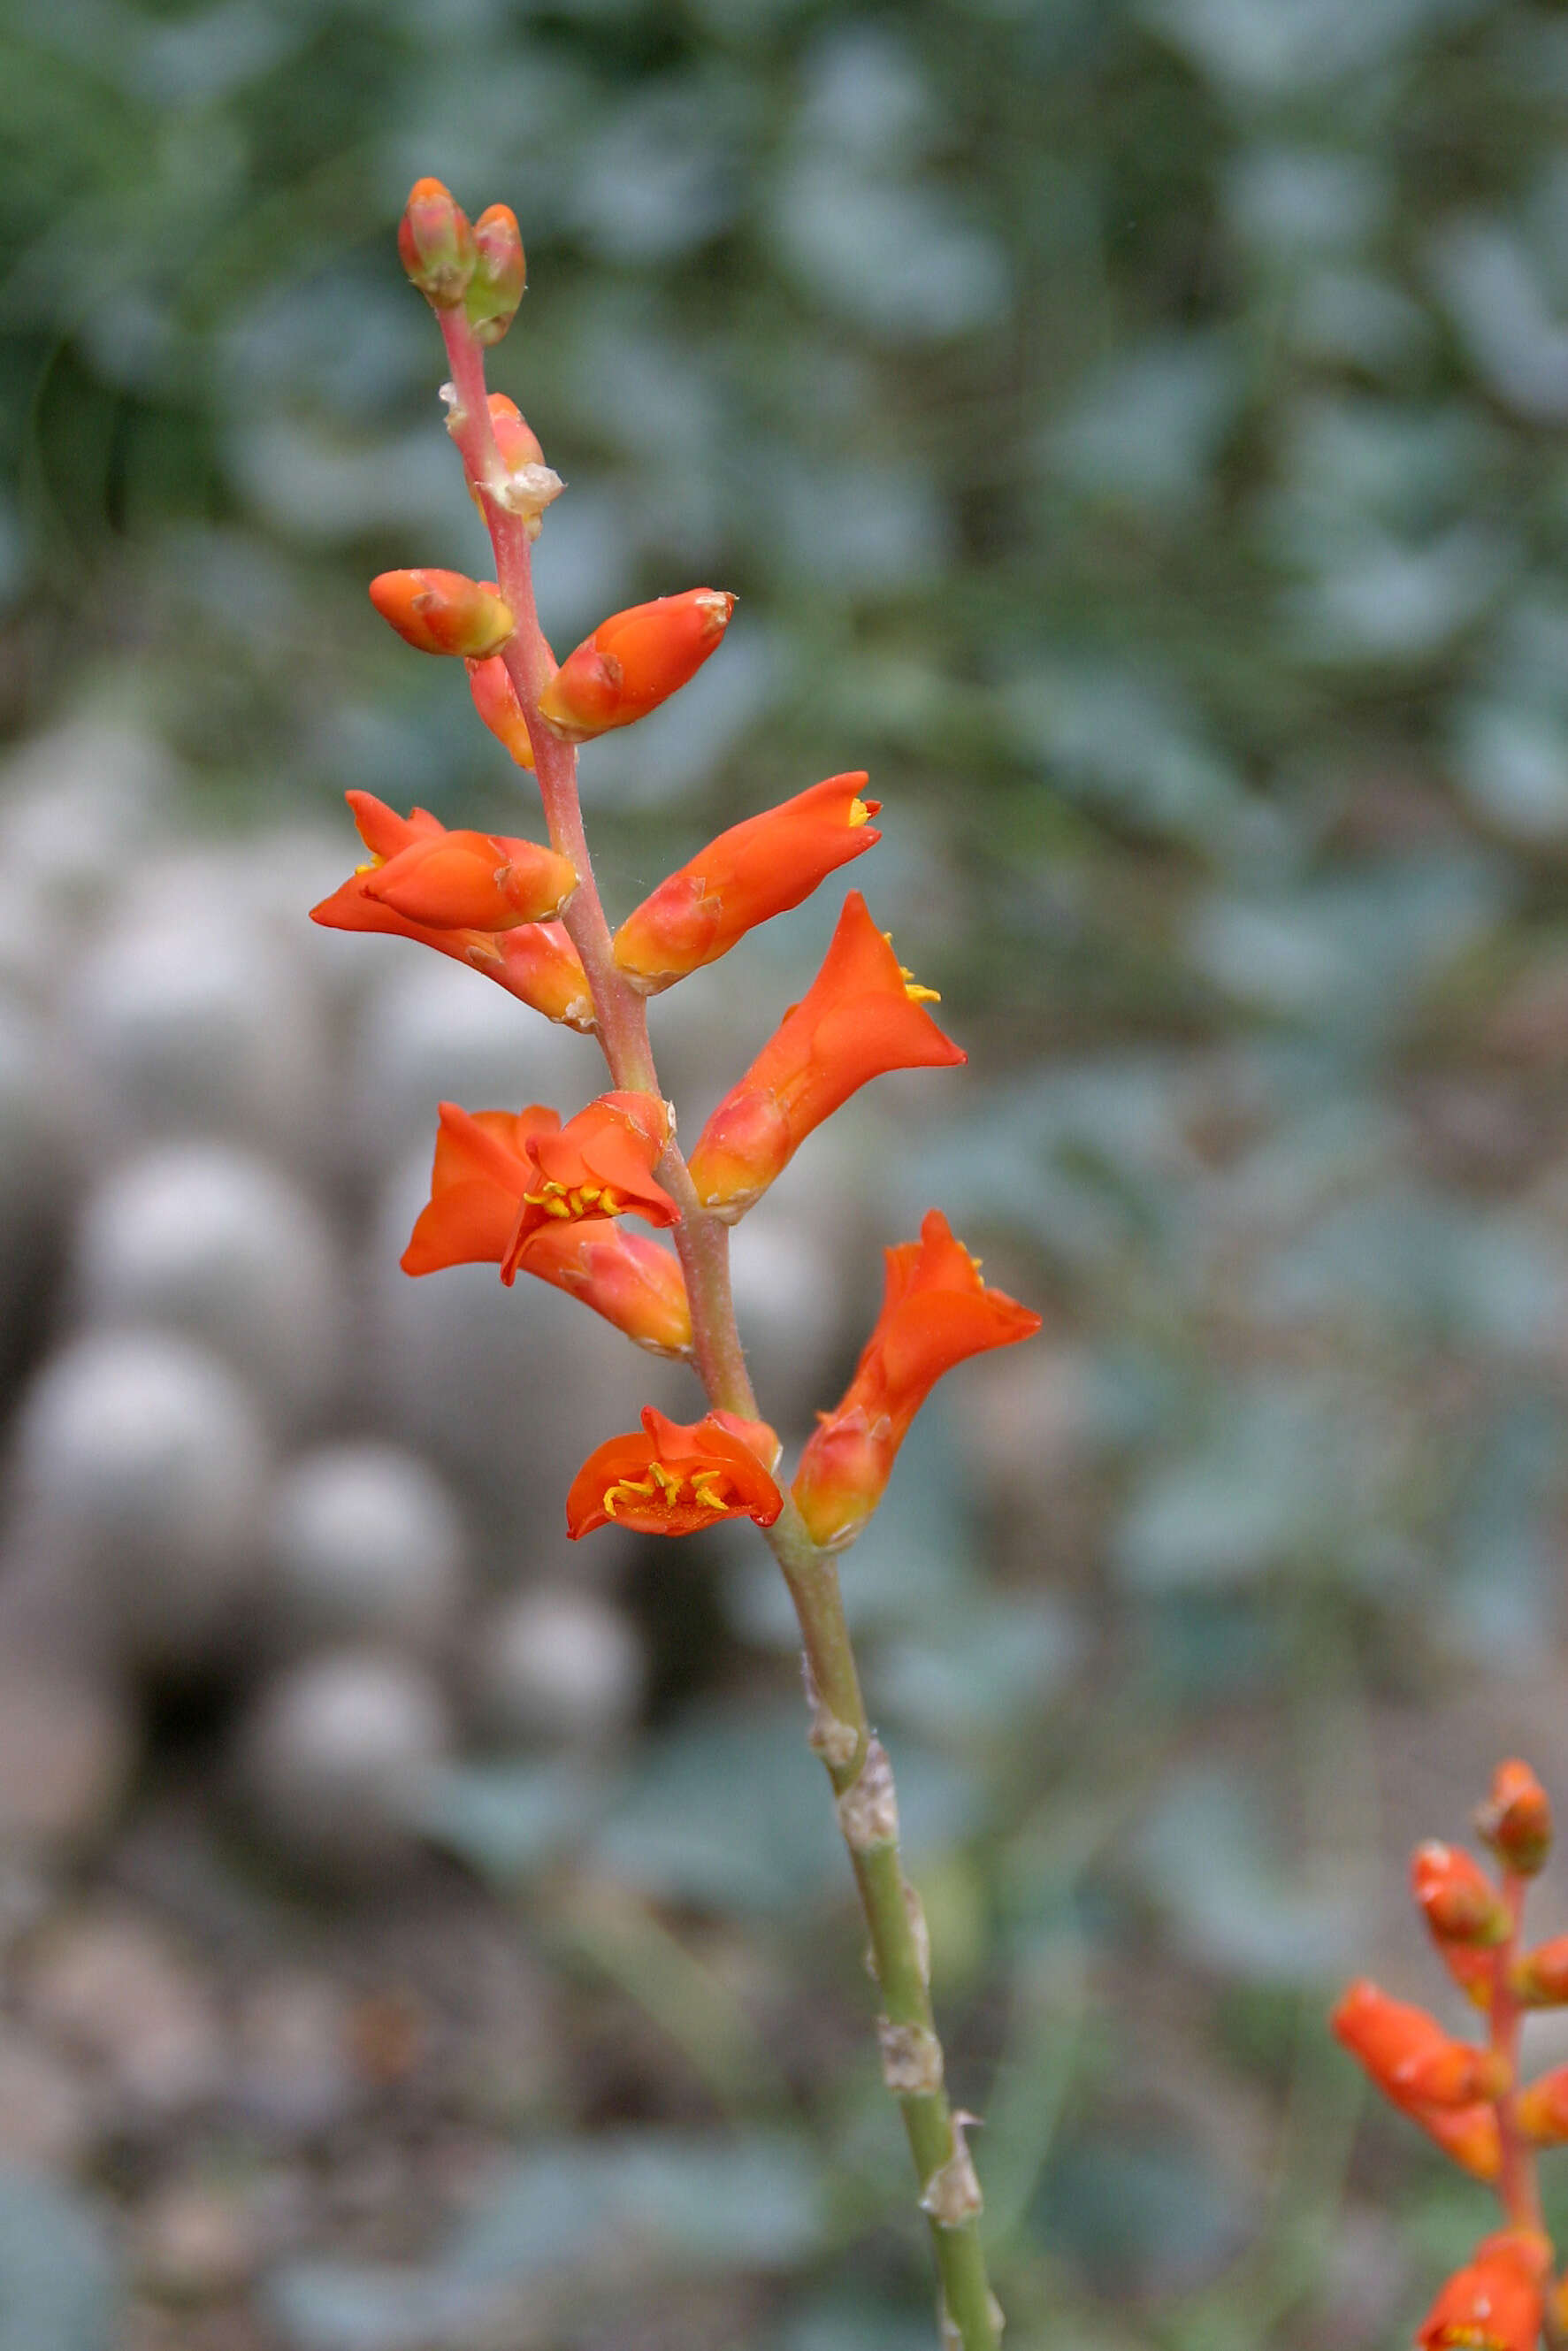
(333, 1755)
(46, 2114)
(141, 1465)
(206, 1239)
(197, 2241)
(294, 2076)
(112, 1988)
(560, 1666)
(78, 803)
(68, 1743)
(364, 1542)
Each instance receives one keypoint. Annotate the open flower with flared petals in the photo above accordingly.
(599, 1164)
(535, 962)
(673, 1479)
(481, 1171)
(1497, 2302)
(753, 871)
(1410, 2057)
(937, 1311)
(861, 1016)
(633, 661)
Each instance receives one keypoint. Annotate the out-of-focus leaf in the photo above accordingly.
(1205, 1853)
(509, 1819)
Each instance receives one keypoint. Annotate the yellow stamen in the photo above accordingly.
(912, 987)
(859, 814)
(627, 1489)
(548, 1190)
(609, 1203)
(669, 1480)
(702, 1484)
(557, 1208)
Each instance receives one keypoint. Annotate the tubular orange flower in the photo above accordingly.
(536, 962)
(444, 611)
(436, 244)
(472, 882)
(1516, 1819)
(1497, 2302)
(495, 288)
(633, 661)
(860, 1016)
(1410, 2057)
(746, 876)
(673, 1480)
(935, 1312)
(599, 1164)
(482, 1169)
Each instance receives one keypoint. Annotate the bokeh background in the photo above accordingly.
(1134, 433)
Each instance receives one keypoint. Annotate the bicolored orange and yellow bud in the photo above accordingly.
(436, 244)
(1460, 1904)
(674, 1479)
(756, 869)
(1468, 2136)
(1539, 1977)
(500, 273)
(1410, 2057)
(482, 1169)
(1540, 2109)
(633, 661)
(1516, 1819)
(473, 882)
(936, 1313)
(599, 1164)
(444, 611)
(495, 700)
(861, 1016)
(535, 962)
(1497, 2302)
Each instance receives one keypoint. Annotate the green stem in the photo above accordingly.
(839, 1733)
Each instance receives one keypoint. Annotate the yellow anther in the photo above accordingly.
(557, 1208)
(575, 1202)
(548, 1190)
(627, 1489)
(859, 814)
(589, 1192)
(702, 1491)
(669, 1481)
(609, 1203)
(912, 987)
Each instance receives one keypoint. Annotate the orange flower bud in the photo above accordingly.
(753, 871)
(633, 661)
(1410, 2057)
(436, 244)
(536, 962)
(935, 1312)
(672, 1481)
(444, 611)
(1540, 2109)
(481, 1170)
(515, 439)
(1540, 1978)
(1516, 1819)
(473, 881)
(1468, 2136)
(495, 700)
(860, 1016)
(599, 1164)
(495, 288)
(1461, 1903)
(1497, 2302)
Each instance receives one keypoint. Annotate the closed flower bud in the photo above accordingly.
(444, 613)
(1540, 1978)
(1540, 2109)
(1497, 2302)
(1460, 1902)
(515, 439)
(473, 881)
(1410, 2057)
(436, 244)
(495, 700)
(1516, 1819)
(495, 288)
(633, 661)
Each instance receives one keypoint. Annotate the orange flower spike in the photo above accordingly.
(536, 962)
(1461, 1904)
(633, 661)
(861, 1017)
(495, 700)
(672, 1481)
(1410, 2057)
(436, 244)
(500, 274)
(753, 871)
(1516, 1819)
(444, 611)
(473, 881)
(601, 1164)
(1497, 2302)
(935, 1312)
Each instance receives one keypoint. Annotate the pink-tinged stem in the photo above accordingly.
(857, 1765)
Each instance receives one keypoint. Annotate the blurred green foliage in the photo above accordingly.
(1134, 432)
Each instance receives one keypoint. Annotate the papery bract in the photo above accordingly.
(673, 1479)
(633, 661)
(935, 1312)
(599, 1164)
(860, 1018)
(536, 962)
(439, 611)
(1497, 2302)
(756, 869)
(481, 1170)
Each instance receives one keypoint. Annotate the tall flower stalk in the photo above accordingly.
(533, 1192)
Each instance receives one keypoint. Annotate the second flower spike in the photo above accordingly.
(746, 876)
